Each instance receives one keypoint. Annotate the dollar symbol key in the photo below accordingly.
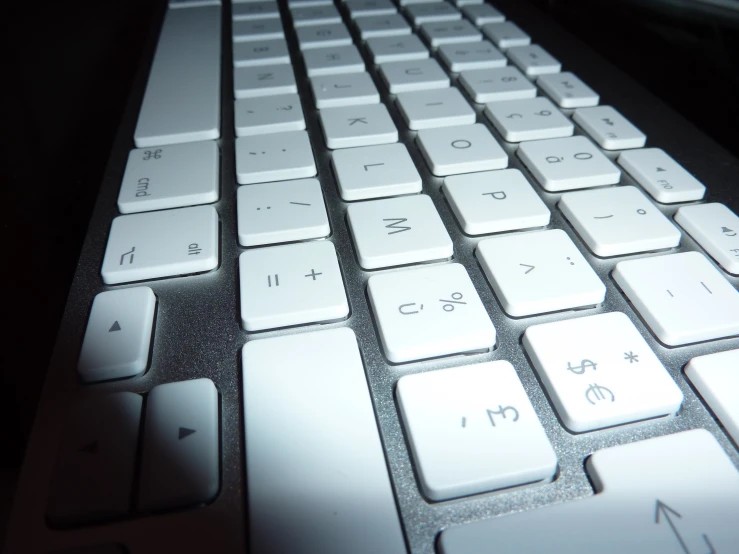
(584, 364)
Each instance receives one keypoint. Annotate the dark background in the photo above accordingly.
(69, 68)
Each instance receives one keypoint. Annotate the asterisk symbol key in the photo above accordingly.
(631, 357)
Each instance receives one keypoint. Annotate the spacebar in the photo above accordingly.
(182, 98)
(316, 474)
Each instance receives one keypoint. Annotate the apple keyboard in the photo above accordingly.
(390, 276)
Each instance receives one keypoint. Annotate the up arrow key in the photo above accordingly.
(115, 327)
(185, 432)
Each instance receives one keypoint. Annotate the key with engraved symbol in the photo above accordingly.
(382, 26)
(444, 107)
(305, 16)
(449, 32)
(170, 176)
(407, 76)
(494, 201)
(260, 29)
(661, 176)
(323, 36)
(261, 52)
(268, 114)
(250, 82)
(473, 429)
(716, 228)
(682, 297)
(600, 372)
(533, 60)
(534, 119)
(274, 157)
(429, 312)
(473, 55)
(461, 149)
(350, 89)
(351, 126)
(676, 493)
(398, 231)
(396, 49)
(610, 129)
(375, 171)
(329, 61)
(619, 220)
(294, 284)
(539, 272)
(168, 243)
(568, 163)
(180, 461)
(480, 14)
(432, 12)
(118, 335)
(249, 11)
(368, 8)
(716, 378)
(269, 213)
(506, 35)
(492, 85)
(567, 90)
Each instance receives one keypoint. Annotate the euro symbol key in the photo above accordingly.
(596, 393)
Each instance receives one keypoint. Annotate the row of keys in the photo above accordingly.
(180, 460)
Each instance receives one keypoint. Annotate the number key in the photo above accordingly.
(534, 119)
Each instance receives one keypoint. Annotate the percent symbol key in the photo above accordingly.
(456, 299)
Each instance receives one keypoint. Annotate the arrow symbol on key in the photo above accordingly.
(663, 511)
(530, 268)
(185, 432)
(115, 327)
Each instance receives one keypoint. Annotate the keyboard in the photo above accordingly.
(393, 276)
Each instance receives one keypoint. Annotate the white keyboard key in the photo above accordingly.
(493, 85)
(460, 3)
(410, 2)
(118, 335)
(608, 128)
(364, 8)
(539, 272)
(96, 460)
(396, 49)
(161, 244)
(268, 114)
(677, 493)
(352, 126)
(567, 90)
(716, 378)
(382, 26)
(250, 82)
(180, 463)
(472, 429)
(495, 201)
(170, 177)
(480, 14)
(432, 12)
(296, 4)
(619, 220)
(506, 35)
(323, 36)
(330, 61)
(661, 176)
(333, 459)
(188, 57)
(274, 157)
(260, 29)
(533, 60)
(261, 52)
(270, 213)
(461, 149)
(398, 231)
(375, 171)
(294, 284)
(448, 32)
(568, 163)
(429, 312)
(473, 55)
(350, 89)
(444, 107)
(306, 16)
(682, 297)
(243, 11)
(534, 119)
(407, 76)
(600, 372)
(716, 229)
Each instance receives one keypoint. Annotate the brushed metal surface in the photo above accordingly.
(198, 333)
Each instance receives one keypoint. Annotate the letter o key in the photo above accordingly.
(461, 144)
